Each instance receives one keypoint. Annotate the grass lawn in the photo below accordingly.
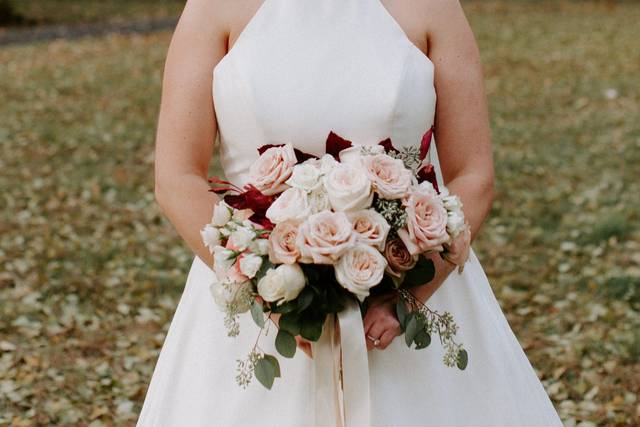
(37, 12)
(90, 272)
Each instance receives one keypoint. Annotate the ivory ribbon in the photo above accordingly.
(342, 371)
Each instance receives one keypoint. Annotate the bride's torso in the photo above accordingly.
(302, 68)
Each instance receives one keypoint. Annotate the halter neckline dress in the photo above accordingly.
(298, 70)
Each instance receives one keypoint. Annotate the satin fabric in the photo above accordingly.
(299, 69)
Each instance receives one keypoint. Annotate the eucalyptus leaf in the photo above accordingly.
(411, 330)
(422, 339)
(257, 313)
(290, 322)
(286, 307)
(463, 359)
(305, 298)
(422, 273)
(285, 343)
(402, 312)
(264, 267)
(265, 372)
(274, 362)
(311, 328)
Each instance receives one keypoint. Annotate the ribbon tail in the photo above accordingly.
(341, 373)
(355, 367)
(326, 358)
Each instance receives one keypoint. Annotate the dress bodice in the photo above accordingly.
(302, 68)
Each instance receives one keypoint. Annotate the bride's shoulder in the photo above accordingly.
(207, 20)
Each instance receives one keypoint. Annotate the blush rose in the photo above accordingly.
(282, 243)
(272, 169)
(324, 237)
(426, 224)
(359, 269)
(390, 178)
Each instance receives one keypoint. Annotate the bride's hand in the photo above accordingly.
(303, 344)
(380, 321)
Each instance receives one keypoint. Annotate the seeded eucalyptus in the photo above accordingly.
(419, 322)
(392, 211)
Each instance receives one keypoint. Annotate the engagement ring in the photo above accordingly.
(376, 341)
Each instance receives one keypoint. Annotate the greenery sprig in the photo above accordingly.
(419, 322)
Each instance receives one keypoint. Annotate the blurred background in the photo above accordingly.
(90, 272)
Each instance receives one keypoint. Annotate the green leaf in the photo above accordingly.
(422, 273)
(463, 359)
(285, 343)
(305, 298)
(274, 362)
(264, 267)
(411, 330)
(257, 313)
(286, 307)
(422, 339)
(402, 312)
(312, 328)
(290, 322)
(265, 372)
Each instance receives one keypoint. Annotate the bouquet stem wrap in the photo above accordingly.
(341, 369)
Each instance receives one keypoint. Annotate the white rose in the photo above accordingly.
(318, 200)
(305, 176)
(223, 258)
(210, 236)
(250, 264)
(324, 164)
(241, 238)
(354, 154)
(291, 205)
(348, 188)
(359, 269)
(371, 228)
(282, 284)
(259, 246)
(455, 223)
(224, 294)
(221, 214)
(451, 202)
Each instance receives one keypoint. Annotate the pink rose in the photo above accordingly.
(426, 224)
(324, 237)
(390, 178)
(370, 227)
(269, 173)
(457, 251)
(282, 243)
(399, 260)
(359, 269)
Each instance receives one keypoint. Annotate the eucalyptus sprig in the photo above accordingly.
(419, 322)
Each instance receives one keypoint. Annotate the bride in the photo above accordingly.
(255, 72)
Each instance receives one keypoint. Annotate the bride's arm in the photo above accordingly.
(462, 130)
(186, 124)
(462, 136)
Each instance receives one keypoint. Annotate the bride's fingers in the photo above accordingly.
(374, 332)
(388, 336)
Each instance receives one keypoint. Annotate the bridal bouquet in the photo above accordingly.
(308, 233)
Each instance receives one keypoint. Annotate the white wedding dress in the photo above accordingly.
(300, 69)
